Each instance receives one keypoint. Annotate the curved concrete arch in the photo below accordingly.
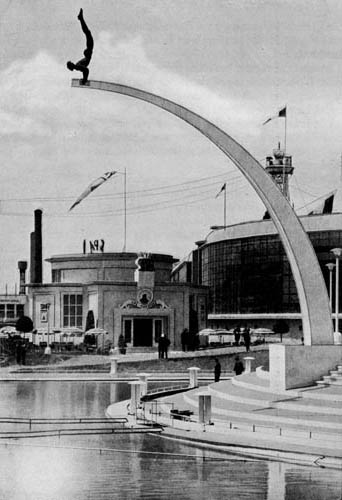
(311, 288)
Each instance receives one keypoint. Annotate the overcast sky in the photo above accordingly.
(236, 62)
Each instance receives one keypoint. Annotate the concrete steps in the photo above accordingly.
(335, 377)
(246, 400)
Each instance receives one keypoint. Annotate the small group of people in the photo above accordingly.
(189, 340)
(163, 346)
(246, 335)
(238, 368)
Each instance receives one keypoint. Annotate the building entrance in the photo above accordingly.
(142, 332)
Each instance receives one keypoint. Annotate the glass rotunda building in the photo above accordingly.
(247, 270)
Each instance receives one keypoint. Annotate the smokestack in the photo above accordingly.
(22, 266)
(32, 254)
(36, 261)
(38, 246)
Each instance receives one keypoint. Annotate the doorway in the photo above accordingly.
(143, 332)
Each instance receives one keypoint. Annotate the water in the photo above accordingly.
(115, 467)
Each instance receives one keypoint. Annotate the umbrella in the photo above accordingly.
(73, 331)
(8, 329)
(263, 331)
(96, 331)
(206, 331)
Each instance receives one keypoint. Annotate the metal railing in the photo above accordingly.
(62, 421)
(79, 427)
(161, 412)
(162, 390)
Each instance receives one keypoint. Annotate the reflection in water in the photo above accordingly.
(102, 467)
(276, 481)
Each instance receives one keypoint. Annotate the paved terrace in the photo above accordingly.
(98, 367)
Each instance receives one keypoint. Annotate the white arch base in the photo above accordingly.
(312, 292)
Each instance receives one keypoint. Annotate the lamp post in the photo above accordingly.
(47, 348)
(48, 322)
(337, 252)
(330, 266)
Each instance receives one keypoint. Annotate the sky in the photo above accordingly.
(235, 62)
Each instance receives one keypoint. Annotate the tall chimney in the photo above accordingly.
(22, 266)
(38, 264)
(32, 256)
(36, 258)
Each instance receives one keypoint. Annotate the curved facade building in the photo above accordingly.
(246, 268)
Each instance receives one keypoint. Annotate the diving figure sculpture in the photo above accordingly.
(82, 64)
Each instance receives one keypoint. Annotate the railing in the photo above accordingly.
(159, 415)
(151, 410)
(162, 390)
(62, 421)
(79, 427)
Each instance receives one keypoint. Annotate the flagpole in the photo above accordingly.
(225, 207)
(284, 159)
(285, 130)
(125, 210)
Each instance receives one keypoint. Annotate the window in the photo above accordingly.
(56, 275)
(158, 329)
(72, 310)
(202, 312)
(128, 330)
(20, 310)
(2, 311)
(10, 311)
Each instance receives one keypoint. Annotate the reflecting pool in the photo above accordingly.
(118, 467)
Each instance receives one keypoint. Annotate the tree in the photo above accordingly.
(281, 327)
(90, 321)
(24, 324)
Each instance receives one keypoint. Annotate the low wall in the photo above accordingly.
(293, 366)
(206, 363)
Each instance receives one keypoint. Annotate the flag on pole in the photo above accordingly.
(223, 188)
(325, 206)
(280, 114)
(95, 184)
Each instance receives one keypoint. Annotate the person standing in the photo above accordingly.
(184, 339)
(18, 352)
(217, 370)
(122, 344)
(23, 353)
(237, 335)
(238, 366)
(163, 346)
(247, 337)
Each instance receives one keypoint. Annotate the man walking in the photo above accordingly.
(217, 370)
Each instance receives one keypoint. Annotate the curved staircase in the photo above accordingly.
(305, 420)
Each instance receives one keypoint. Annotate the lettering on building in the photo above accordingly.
(93, 246)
